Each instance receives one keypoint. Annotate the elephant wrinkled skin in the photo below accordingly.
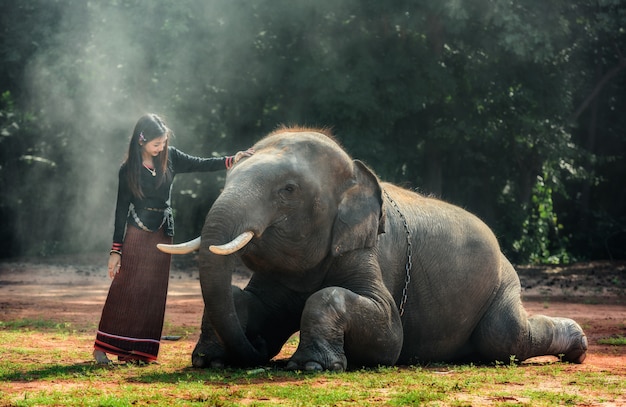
(369, 273)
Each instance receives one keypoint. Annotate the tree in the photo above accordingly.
(505, 107)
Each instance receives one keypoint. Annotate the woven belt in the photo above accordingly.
(155, 209)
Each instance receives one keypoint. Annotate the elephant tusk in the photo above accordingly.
(234, 245)
(181, 248)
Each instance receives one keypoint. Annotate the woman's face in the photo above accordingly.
(153, 147)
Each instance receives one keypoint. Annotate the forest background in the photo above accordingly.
(513, 109)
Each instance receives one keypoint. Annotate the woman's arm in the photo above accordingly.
(121, 214)
(182, 162)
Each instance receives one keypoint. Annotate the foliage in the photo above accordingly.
(541, 241)
(471, 101)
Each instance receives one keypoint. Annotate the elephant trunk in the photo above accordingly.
(215, 279)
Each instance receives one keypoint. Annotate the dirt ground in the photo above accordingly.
(73, 290)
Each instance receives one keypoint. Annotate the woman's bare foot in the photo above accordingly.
(101, 357)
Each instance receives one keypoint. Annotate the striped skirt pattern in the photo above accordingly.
(132, 317)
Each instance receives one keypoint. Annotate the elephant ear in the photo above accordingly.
(360, 216)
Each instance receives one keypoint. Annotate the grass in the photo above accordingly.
(49, 364)
(614, 340)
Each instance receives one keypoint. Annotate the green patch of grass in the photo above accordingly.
(553, 397)
(182, 331)
(613, 340)
(35, 324)
(44, 363)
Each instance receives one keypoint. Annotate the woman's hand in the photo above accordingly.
(115, 262)
(242, 154)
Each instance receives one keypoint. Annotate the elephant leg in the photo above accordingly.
(268, 314)
(563, 338)
(209, 350)
(273, 313)
(506, 331)
(341, 328)
(510, 333)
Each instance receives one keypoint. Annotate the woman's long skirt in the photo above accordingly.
(132, 317)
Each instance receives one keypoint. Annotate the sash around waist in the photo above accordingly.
(151, 219)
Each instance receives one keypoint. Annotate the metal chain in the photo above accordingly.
(409, 255)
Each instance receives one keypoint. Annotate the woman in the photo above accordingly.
(132, 317)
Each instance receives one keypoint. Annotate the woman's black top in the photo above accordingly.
(153, 210)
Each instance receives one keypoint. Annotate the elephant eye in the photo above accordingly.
(288, 189)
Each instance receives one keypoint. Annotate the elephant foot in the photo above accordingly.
(207, 356)
(577, 355)
(199, 361)
(335, 362)
(202, 362)
(314, 367)
(569, 341)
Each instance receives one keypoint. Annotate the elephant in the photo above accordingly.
(369, 273)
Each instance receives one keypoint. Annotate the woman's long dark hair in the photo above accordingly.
(148, 127)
